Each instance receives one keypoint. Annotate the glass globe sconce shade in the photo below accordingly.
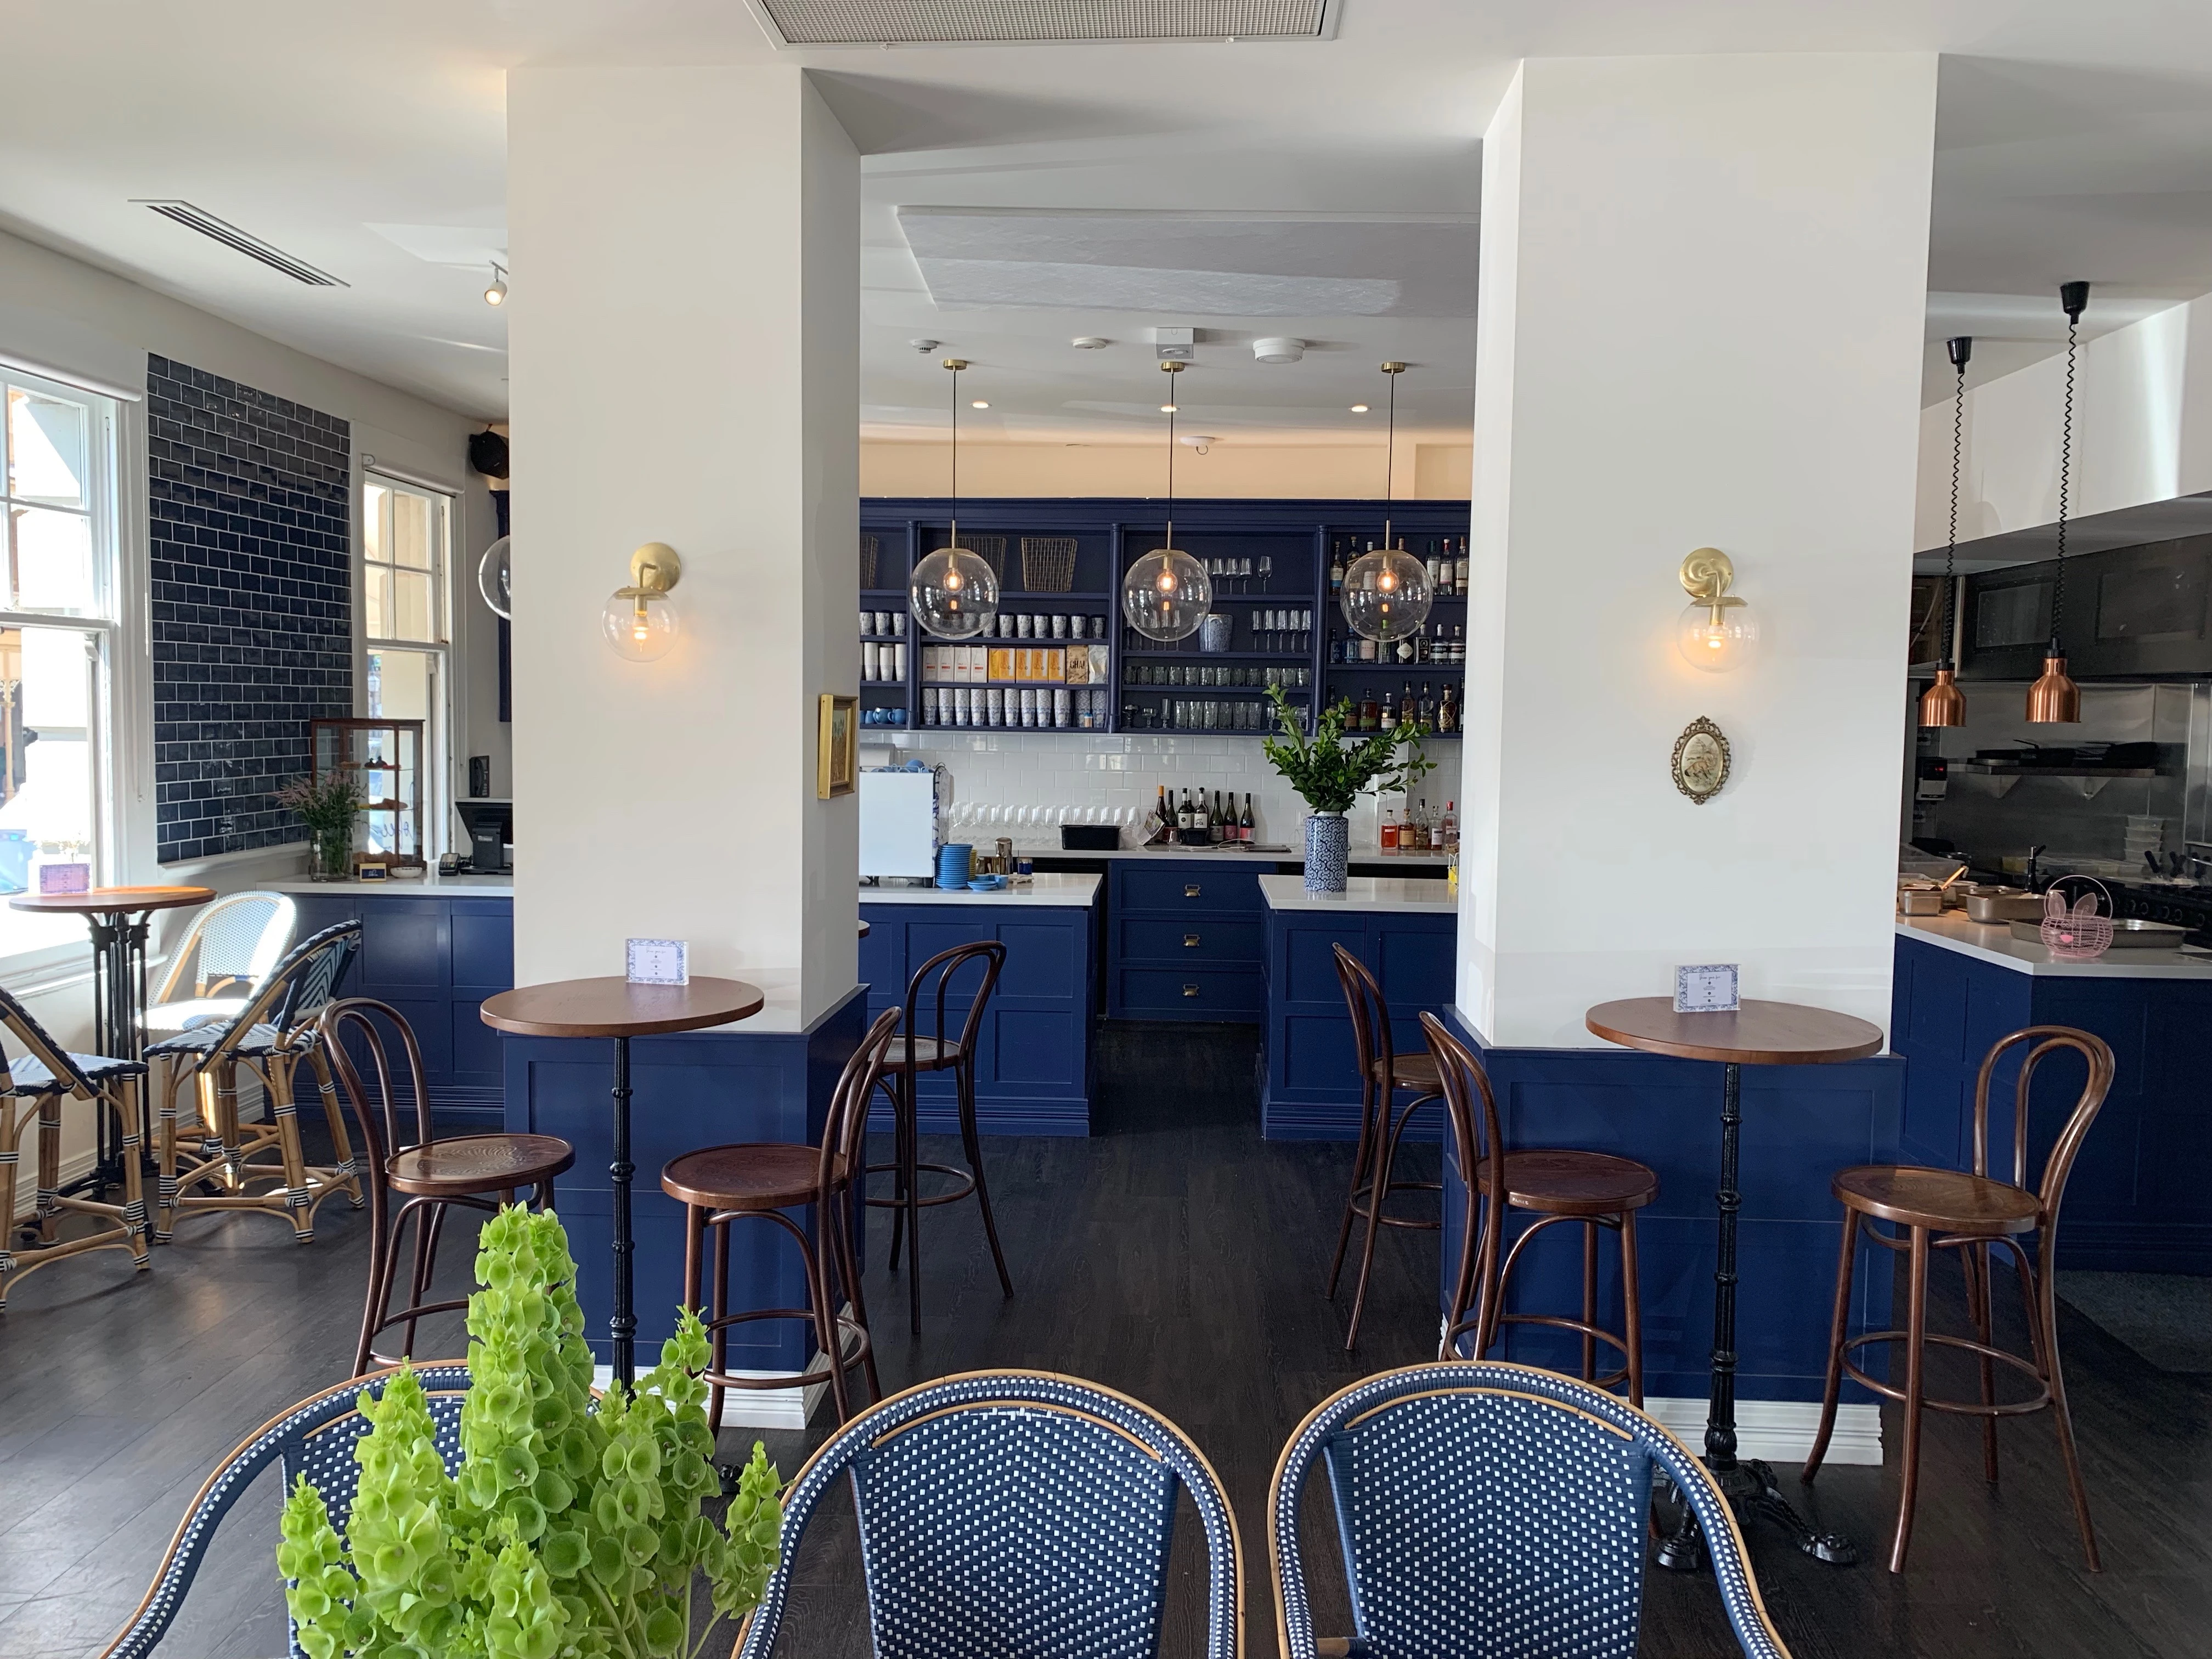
(640, 620)
(954, 594)
(1717, 632)
(1166, 595)
(1387, 594)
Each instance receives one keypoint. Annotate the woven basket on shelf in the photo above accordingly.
(1048, 563)
(992, 550)
(868, 545)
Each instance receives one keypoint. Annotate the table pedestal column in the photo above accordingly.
(622, 1324)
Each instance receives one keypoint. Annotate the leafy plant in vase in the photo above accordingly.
(1330, 775)
(568, 1532)
(328, 806)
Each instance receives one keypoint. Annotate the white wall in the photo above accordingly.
(1655, 231)
(1427, 471)
(720, 415)
(2142, 430)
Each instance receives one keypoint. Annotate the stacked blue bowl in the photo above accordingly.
(952, 865)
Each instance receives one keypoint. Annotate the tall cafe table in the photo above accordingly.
(1757, 1034)
(117, 917)
(616, 1008)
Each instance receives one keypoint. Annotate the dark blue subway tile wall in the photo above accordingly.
(250, 500)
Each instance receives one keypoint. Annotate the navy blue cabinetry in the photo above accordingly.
(1187, 941)
(435, 957)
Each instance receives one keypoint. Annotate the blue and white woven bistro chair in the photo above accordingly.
(1496, 1509)
(1007, 1513)
(43, 1079)
(271, 1036)
(224, 957)
(314, 1438)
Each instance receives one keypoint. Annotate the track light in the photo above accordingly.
(496, 293)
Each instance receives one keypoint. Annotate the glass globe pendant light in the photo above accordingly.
(1387, 593)
(2054, 699)
(1166, 594)
(1943, 703)
(954, 593)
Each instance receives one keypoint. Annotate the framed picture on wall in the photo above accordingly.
(837, 762)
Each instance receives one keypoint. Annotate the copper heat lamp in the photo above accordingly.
(1943, 703)
(2054, 699)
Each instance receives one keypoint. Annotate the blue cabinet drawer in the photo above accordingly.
(1216, 941)
(1197, 994)
(1185, 890)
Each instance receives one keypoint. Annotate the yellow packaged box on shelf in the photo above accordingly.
(1002, 663)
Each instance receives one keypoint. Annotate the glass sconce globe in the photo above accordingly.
(640, 623)
(954, 594)
(1387, 594)
(1166, 595)
(1717, 638)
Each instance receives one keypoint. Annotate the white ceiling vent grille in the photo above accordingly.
(242, 242)
(989, 22)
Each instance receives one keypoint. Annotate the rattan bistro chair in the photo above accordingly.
(42, 1080)
(1006, 1512)
(314, 1438)
(225, 957)
(1485, 1508)
(1973, 1214)
(271, 1036)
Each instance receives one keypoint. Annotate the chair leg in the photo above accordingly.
(2043, 1311)
(1378, 1193)
(380, 1238)
(1838, 1327)
(123, 1100)
(826, 1335)
(910, 1184)
(1632, 1308)
(222, 1089)
(327, 1084)
(1916, 1353)
(165, 1149)
(848, 1270)
(1360, 1173)
(50, 1167)
(971, 1137)
(286, 1109)
(429, 1219)
(1974, 1259)
(1589, 1300)
(11, 1132)
(896, 1087)
(716, 1239)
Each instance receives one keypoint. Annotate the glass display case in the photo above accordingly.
(385, 758)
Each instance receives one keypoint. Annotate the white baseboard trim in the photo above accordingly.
(790, 1407)
(1779, 1430)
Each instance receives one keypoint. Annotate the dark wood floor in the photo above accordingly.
(1174, 1255)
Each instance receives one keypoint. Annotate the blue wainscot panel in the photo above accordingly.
(1802, 1124)
(2141, 1196)
(1033, 1059)
(1312, 1090)
(696, 1089)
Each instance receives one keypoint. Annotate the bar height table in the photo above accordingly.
(1757, 1034)
(117, 918)
(615, 1008)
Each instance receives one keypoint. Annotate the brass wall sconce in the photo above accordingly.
(1717, 632)
(640, 620)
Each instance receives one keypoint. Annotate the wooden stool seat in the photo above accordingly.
(930, 1054)
(1415, 1071)
(478, 1163)
(754, 1175)
(1942, 1200)
(1562, 1182)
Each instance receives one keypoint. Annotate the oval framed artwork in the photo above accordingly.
(1701, 759)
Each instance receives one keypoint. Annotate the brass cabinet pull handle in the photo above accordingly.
(1190, 890)
(1190, 941)
(1190, 990)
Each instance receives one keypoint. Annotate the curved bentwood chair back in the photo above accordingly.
(1006, 1512)
(314, 1438)
(1493, 1509)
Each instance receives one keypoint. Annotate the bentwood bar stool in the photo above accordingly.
(762, 1180)
(41, 1080)
(1973, 1214)
(918, 1052)
(1597, 1189)
(476, 1172)
(270, 1038)
(1384, 1074)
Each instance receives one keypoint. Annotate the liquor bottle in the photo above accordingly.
(1435, 566)
(1460, 569)
(1245, 825)
(1449, 828)
(1367, 651)
(1448, 712)
(1370, 712)
(1336, 571)
(1459, 644)
(1426, 710)
(1436, 835)
(1406, 705)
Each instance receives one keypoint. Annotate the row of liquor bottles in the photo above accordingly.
(1431, 647)
(1447, 565)
(1428, 711)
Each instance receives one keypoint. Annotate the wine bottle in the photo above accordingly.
(1460, 569)
(1426, 711)
(1336, 571)
(1245, 827)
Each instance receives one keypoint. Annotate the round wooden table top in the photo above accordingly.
(864, 927)
(614, 1007)
(112, 901)
(1758, 1033)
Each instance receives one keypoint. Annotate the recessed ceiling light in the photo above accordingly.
(1167, 409)
(1089, 342)
(1359, 409)
(979, 404)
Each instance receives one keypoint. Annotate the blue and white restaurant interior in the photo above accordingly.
(1187, 827)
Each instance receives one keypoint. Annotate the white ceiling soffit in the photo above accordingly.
(1006, 22)
(1196, 264)
(2124, 526)
(448, 244)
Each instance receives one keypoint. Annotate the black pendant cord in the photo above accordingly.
(1175, 401)
(1389, 461)
(2065, 479)
(955, 539)
(1960, 350)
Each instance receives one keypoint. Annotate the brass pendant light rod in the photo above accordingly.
(1943, 703)
(1394, 369)
(1174, 402)
(956, 364)
(2054, 699)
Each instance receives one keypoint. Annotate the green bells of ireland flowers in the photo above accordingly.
(572, 1530)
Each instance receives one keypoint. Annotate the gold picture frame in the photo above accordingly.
(837, 758)
(1701, 759)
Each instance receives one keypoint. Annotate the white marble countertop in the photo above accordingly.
(1044, 892)
(1993, 942)
(1432, 898)
(430, 884)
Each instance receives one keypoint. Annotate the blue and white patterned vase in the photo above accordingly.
(1328, 847)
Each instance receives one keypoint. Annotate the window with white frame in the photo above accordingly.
(405, 542)
(58, 623)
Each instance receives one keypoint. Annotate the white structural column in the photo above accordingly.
(683, 343)
(1702, 286)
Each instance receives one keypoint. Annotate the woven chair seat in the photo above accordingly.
(29, 1075)
(202, 1039)
(194, 1012)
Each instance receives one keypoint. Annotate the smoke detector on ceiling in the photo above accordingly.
(1175, 345)
(1091, 343)
(1278, 350)
(925, 346)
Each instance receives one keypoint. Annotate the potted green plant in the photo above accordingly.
(1329, 774)
(328, 805)
(572, 1528)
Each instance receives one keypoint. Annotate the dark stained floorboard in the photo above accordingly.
(1174, 1255)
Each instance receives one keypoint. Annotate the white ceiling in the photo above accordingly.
(370, 141)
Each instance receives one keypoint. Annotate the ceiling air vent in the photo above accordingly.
(989, 22)
(221, 230)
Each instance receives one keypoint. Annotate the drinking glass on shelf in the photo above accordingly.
(1266, 571)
